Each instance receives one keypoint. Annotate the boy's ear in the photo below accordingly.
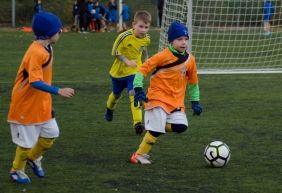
(133, 23)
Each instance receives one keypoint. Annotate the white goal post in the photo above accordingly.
(228, 36)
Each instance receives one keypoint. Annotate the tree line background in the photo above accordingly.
(208, 12)
(63, 8)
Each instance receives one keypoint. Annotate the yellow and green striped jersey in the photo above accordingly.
(128, 45)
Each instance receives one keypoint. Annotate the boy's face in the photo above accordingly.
(140, 28)
(55, 37)
(180, 44)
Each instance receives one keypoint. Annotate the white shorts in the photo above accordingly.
(27, 135)
(156, 119)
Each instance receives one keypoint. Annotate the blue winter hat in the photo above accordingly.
(45, 25)
(176, 30)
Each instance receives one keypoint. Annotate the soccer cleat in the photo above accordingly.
(139, 128)
(140, 159)
(20, 177)
(36, 167)
(109, 114)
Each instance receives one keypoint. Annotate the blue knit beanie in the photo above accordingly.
(176, 30)
(45, 25)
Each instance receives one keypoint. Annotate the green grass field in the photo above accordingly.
(92, 155)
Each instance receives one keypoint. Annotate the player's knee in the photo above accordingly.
(46, 143)
(179, 128)
(131, 93)
(117, 96)
(155, 134)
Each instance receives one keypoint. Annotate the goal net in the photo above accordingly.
(229, 36)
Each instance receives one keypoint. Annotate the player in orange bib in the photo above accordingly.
(173, 69)
(32, 123)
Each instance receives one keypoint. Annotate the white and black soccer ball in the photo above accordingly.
(217, 154)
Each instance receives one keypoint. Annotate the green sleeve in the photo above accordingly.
(138, 80)
(194, 92)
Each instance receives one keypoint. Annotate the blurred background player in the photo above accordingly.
(112, 15)
(38, 6)
(32, 122)
(268, 12)
(99, 15)
(128, 49)
(90, 15)
(83, 16)
(160, 11)
(75, 14)
(125, 16)
(173, 69)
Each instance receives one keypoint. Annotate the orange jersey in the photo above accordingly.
(168, 85)
(29, 105)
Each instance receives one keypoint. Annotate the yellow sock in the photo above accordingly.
(20, 158)
(146, 144)
(168, 127)
(112, 101)
(42, 145)
(136, 111)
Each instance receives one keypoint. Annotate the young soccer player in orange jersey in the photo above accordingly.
(33, 126)
(128, 49)
(173, 69)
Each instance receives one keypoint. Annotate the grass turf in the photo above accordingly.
(92, 155)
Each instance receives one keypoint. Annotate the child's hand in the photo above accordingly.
(66, 92)
(131, 63)
(139, 96)
(197, 108)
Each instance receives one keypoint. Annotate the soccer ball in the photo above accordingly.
(217, 154)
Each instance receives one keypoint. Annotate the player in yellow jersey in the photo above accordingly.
(128, 49)
(174, 68)
(32, 122)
